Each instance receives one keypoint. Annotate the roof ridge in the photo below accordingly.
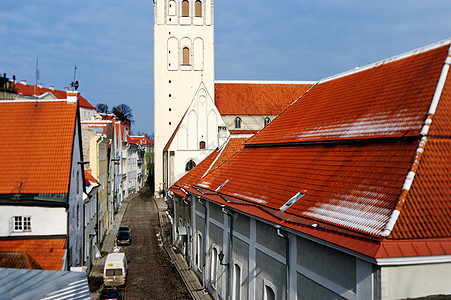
(389, 60)
(265, 82)
(421, 146)
(33, 100)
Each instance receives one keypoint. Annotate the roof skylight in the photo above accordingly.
(292, 201)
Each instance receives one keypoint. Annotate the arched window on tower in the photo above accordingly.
(185, 8)
(237, 122)
(198, 8)
(185, 60)
(190, 165)
(202, 145)
(171, 8)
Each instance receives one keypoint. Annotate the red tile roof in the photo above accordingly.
(17, 260)
(142, 140)
(29, 90)
(36, 139)
(257, 98)
(47, 252)
(388, 100)
(338, 163)
(216, 158)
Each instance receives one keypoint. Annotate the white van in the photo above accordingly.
(115, 270)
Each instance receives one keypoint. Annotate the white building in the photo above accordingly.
(183, 60)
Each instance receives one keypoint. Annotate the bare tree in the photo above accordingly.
(102, 108)
(124, 113)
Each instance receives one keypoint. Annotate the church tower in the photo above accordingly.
(183, 60)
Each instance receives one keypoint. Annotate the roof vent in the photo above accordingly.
(292, 201)
(52, 88)
(24, 82)
(39, 85)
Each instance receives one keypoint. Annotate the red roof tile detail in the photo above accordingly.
(17, 260)
(142, 140)
(344, 185)
(89, 179)
(441, 122)
(427, 210)
(256, 98)
(36, 139)
(29, 90)
(47, 252)
(388, 100)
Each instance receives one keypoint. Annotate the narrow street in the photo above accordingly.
(151, 274)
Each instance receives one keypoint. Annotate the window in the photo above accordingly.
(237, 122)
(22, 223)
(269, 290)
(190, 165)
(199, 252)
(236, 288)
(202, 145)
(185, 8)
(267, 121)
(198, 8)
(214, 266)
(185, 60)
(171, 8)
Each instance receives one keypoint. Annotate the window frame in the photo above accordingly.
(198, 8)
(234, 280)
(238, 122)
(23, 226)
(269, 284)
(186, 165)
(186, 53)
(185, 8)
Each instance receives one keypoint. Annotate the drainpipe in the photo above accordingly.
(287, 258)
(204, 276)
(229, 272)
(189, 234)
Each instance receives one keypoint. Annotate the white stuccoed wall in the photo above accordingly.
(176, 84)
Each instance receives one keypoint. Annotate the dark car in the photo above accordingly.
(124, 236)
(110, 293)
(124, 228)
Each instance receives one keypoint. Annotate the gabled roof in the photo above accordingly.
(352, 161)
(48, 253)
(31, 90)
(36, 139)
(257, 97)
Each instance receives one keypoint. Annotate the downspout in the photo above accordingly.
(189, 234)
(229, 272)
(410, 176)
(287, 259)
(204, 276)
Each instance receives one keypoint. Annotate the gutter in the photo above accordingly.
(413, 169)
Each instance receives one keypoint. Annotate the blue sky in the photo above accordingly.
(111, 42)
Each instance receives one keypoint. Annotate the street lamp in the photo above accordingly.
(221, 258)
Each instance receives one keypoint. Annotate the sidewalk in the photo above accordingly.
(96, 273)
(187, 274)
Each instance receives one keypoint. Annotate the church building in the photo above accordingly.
(194, 114)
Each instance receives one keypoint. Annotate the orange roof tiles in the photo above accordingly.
(255, 98)
(216, 158)
(29, 90)
(46, 252)
(36, 139)
(388, 100)
(344, 154)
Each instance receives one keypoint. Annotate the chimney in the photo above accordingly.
(52, 88)
(24, 82)
(39, 85)
(72, 96)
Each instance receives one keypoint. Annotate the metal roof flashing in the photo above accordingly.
(292, 201)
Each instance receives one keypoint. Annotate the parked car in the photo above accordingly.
(124, 236)
(110, 293)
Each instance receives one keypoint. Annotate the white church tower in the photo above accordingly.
(183, 64)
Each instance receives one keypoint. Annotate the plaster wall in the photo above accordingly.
(44, 220)
(248, 122)
(413, 281)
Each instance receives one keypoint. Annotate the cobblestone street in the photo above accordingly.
(151, 274)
